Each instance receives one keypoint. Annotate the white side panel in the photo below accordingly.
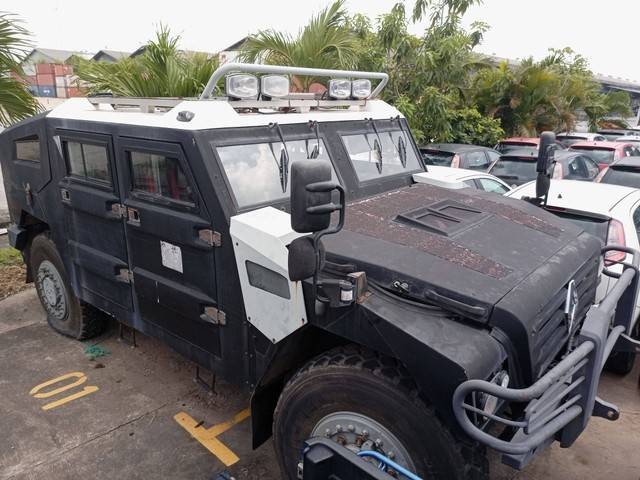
(262, 236)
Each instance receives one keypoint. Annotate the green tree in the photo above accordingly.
(16, 102)
(325, 42)
(163, 70)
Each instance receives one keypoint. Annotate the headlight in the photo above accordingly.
(339, 88)
(242, 86)
(360, 88)
(274, 86)
(490, 403)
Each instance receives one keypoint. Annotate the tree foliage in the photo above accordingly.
(163, 70)
(16, 102)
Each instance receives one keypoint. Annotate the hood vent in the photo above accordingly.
(445, 217)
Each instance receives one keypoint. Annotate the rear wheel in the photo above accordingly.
(66, 313)
(365, 401)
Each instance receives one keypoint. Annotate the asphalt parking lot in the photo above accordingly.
(127, 414)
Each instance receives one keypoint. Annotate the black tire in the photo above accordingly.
(622, 363)
(352, 379)
(66, 313)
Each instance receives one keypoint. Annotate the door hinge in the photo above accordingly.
(118, 210)
(213, 315)
(210, 237)
(125, 275)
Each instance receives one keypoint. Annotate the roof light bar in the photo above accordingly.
(361, 88)
(339, 88)
(274, 86)
(242, 86)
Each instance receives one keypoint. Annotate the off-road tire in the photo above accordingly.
(79, 320)
(621, 363)
(355, 379)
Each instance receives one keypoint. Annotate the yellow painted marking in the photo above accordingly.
(74, 396)
(207, 436)
(81, 378)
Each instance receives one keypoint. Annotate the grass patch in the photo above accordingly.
(10, 256)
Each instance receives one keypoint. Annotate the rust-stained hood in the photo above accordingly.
(462, 249)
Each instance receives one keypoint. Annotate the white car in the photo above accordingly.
(611, 213)
(456, 178)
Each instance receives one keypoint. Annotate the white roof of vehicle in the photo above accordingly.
(449, 177)
(599, 198)
(214, 114)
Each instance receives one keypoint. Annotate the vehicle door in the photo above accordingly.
(171, 242)
(29, 170)
(90, 195)
(476, 160)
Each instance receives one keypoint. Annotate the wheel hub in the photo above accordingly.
(358, 433)
(52, 291)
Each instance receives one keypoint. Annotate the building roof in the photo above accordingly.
(140, 50)
(235, 46)
(57, 56)
(115, 54)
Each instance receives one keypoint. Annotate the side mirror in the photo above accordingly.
(311, 187)
(546, 152)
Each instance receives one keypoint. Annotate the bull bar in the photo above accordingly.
(560, 403)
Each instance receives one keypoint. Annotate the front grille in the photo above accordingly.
(550, 332)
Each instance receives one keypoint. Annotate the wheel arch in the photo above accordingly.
(22, 234)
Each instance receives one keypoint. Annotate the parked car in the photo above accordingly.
(568, 139)
(629, 138)
(612, 133)
(609, 212)
(457, 178)
(625, 172)
(516, 143)
(605, 153)
(457, 155)
(519, 166)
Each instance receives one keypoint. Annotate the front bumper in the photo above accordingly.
(559, 405)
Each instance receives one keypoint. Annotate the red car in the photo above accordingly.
(604, 153)
(516, 143)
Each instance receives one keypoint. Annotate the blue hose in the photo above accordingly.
(386, 462)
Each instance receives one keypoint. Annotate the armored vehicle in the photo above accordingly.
(281, 240)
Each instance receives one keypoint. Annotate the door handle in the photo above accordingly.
(66, 195)
(133, 217)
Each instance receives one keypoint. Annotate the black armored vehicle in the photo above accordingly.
(285, 241)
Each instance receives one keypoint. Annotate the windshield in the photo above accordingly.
(254, 170)
(625, 177)
(361, 151)
(600, 155)
(434, 157)
(515, 170)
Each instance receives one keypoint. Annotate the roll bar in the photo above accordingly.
(282, 70)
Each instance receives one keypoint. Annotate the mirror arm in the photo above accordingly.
(283, 166)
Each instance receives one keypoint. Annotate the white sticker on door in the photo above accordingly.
(171, 256)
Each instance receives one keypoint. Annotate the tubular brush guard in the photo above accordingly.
(560, 403)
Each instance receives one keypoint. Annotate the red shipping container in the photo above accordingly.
(31, 79)
(46, 79)
(62, 70)
(44, 68)
(74, 92)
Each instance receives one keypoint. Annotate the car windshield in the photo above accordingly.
(254, 172)
(627, 177)
(515, 169)
(361, 150)
(595, 226)
(434, 157)
(600, 155)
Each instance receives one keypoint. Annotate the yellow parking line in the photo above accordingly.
(68, 398)
(207, 436)
(81, 378)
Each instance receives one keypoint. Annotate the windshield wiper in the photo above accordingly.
(377, 146)
(315, 152)
(283, 164)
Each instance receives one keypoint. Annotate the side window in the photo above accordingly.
(636, 221)
(471, 183)
(576, 168)
(490, 185)
(28, 149)
(476, 161)
(592, 167)
(628, 151)
(88, 161)
(160, 176)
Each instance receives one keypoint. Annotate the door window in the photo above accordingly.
(159, 176)
(476, 161)
(576, 169)
(28, 149)
(636, 221)
(88, 161)
(592, 167)
(490, 185)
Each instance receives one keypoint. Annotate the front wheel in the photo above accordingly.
(365, 401)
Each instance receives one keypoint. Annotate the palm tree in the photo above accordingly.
(326, 42)
(163, 70)
(16, 102)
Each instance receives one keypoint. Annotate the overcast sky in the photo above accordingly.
(519, 28)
